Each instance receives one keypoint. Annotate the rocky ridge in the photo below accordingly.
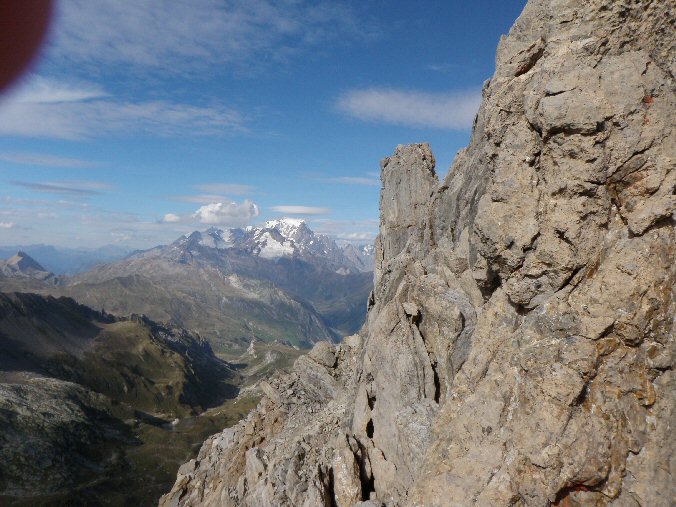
(66, 261)
(22, 265)
(519, 343)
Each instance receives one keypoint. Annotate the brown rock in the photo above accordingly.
(519, 347)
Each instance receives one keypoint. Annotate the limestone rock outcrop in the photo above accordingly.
(519, 346)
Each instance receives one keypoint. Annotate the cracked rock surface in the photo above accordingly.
(519, 345)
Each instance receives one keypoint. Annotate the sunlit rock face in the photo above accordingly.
(519, 344)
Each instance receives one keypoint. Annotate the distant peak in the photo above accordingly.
(292, 228)
(284, 222)
(24, 262)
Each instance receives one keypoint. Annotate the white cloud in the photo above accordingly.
(445, 67)
(172, 36)
(300, 210)
(231, 214)
(32, 203)
(171, 218)
(54, 109)
(355, 180)
(47, 160)
(216, 192)
(6, 225)
(450, 111)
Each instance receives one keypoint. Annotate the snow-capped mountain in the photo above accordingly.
(285, 237)
(278, 281)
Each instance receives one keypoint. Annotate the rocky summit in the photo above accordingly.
(23, 265)
(519, 345)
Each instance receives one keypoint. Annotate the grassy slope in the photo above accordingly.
(134, 378)
(228, 316)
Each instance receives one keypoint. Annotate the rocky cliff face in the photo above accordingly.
(519, 346)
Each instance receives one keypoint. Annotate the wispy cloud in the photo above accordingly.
(355, 236)
(225, 188)
(444, 67)
(198, 199)
(6, 225)
(31, 203)
(215, 192)
(47, 160)
(47, 91)
(54, 109)
(357, 231)
(300, 210)
(356, 180)
(172, 36)
(72, 188)
(449, 111)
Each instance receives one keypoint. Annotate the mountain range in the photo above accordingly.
(107, 407)
(278, 282)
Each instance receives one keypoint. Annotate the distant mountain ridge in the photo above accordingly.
(66, 261)
(274, 239)
(23, 265)
(277, 282)
(284, 237)
(280, 281)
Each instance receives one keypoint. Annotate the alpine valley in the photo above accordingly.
(100, 407)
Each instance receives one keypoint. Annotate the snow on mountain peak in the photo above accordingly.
(270, 247)
(285, 221)
(216, 238)
(286, 226)
(283, 237)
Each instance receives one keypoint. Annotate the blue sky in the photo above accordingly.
(144, 120)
